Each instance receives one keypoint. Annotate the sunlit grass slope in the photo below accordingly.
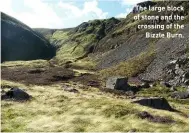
(53, 109)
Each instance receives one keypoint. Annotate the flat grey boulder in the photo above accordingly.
(155, 102)
(118, 83)
(16, 94)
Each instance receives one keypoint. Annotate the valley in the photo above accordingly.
(79, 103)
(103, 75)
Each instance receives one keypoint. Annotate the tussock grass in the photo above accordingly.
(60, 37)
(163, 92)
(53, 110)
(86, 63)
(118, 111)
(30, 64)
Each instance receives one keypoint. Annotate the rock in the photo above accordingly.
(145, 85)
(142, 4)
(186, 75)
(144, 115)
(180, 95)
(186, 82)
(177, 66)
(173, 62)
(118, 83)
(110, 24)
(176, 81)
(183, 60)
(82, 27)
(152, 118)
(147, 4)
(157, 103)
(16, 94)
(153, 84)
(179, 72)
(183, 79)
(70, 89)
(169, 71)
(166, 84)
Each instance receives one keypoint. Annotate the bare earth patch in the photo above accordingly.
(38, 76)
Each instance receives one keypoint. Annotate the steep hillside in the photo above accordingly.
(76, 43)
(106, 43)
(127, 42)
(20, 42)
(47, 33)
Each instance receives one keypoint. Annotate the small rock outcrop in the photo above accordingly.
(156, 102)
(178, 72)
(137, 9)
(165, 84)
(16, 94)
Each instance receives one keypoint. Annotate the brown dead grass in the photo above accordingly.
(37, 76)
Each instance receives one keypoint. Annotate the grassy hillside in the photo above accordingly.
(78, 42)
(20, 42)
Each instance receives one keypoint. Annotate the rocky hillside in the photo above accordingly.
(76, 43)
(126, 42)
(113, 44)
(20, 42)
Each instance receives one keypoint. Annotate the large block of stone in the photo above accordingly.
(16, 94)
(155, 102)
(118, 83)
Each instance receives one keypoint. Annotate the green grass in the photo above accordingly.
(60, 35)
(54, 110)
(30, 64)
(118, 111)
(130, 23)
(75, 47)
(85, 64)
(163, 92)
